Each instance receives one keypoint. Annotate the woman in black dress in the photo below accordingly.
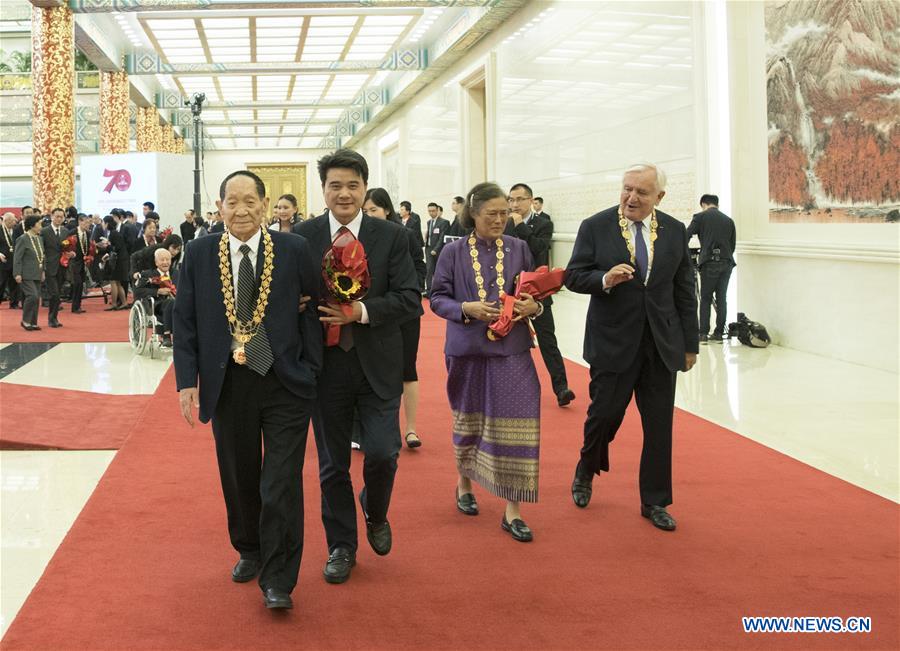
(117, 264)
(378, 204)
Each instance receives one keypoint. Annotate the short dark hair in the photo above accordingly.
(128, 214)
(260, 186)
(459, 199)
(709, 200)
(541, 199)
(344, 159)
(381, 198)
(82, 217)
(56, 210)
(110, 222)
(152, 215)
(172, 240)
(476, 198)
(24, 208)
(433, 204)
(150, 205)
(30, 221)
(407, 205)
(522, 186)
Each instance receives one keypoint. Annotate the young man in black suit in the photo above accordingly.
(411, 221)
(434, 241)
(718, 239)
(362, 373)
(537, 232)
(52, 237)
(76, 262)
(238, 333)
(641, 330)
(538, 206)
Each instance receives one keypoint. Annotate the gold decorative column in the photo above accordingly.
(113, 113)
(53, 116)
(179, 145)
(148, 129)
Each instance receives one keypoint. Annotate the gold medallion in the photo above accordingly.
(240, 356)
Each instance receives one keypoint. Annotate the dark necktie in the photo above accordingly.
(258, 351)
(346, 339)
(640, 251)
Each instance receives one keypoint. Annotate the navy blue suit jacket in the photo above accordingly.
(615, 319)
(202, 341)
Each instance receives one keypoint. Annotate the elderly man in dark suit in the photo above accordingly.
(362, 373)
(7, 246)
(641, 330)
(238, 333)
(718, 239)
(52, 237)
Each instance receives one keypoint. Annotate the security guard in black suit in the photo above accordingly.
(718, 239)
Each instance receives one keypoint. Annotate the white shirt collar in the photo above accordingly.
(235, 244)
(645, 221)
(353, 226)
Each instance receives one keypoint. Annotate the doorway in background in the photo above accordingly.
(282, 179)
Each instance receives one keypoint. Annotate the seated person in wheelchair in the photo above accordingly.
(157, 284)
(144, 259)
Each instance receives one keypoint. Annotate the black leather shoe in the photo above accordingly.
(340, 562)
(56, 324)
(582, 487)
(564, 397)
(377, 533)
(244, 570)
(34, 327)
(78, 311)
(658, 516)
(275, 598)
(466, 503)
(24, 325)
(517, 529)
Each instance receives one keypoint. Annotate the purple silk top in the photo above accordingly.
(454, 283)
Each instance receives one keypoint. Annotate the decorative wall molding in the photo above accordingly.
(824, 251)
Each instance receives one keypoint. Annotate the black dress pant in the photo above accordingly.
(8, 285)
(430, 264)
(546, 334)
(714, 277)
(343, 388)
(263, 492)
(653, 386)
(164, 307)
(53, 283)
(77, 283)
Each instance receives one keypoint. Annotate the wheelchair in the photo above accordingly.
(145, 329)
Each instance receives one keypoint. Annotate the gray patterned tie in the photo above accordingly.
(258, 351)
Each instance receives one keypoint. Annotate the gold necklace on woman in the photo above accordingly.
(479, 279)
(38, 248)
(626, 234)
(243, 331)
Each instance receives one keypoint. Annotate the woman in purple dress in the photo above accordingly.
(492, 384)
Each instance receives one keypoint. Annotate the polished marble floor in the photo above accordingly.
(840, 418)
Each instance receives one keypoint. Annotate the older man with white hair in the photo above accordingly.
(157, 283)
(7, 245)
(641, 330)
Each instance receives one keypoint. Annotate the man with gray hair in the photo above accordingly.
(157, 283)
(641, 330)
(7, 245)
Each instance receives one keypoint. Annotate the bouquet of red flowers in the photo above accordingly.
(346, 274)
(540, 283)
(164, 282)
(165, 234)
(69, 245)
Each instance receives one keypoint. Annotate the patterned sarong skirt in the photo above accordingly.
(496, 403)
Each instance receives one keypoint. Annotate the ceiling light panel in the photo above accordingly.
(326, 32)
(385, 21)
(224, 23)
(329, 114)
(280, 21)
(278, 32)
(171, 23)
(225, 35)
(217, 130)
(276, 43)
(299, 114)
(326, 40)
(332, 21)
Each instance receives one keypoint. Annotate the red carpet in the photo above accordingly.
(72, 421)
(95, 325)
(146, 565)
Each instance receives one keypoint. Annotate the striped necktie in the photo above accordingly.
(258, 350)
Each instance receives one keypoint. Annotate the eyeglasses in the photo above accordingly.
(518, 199)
